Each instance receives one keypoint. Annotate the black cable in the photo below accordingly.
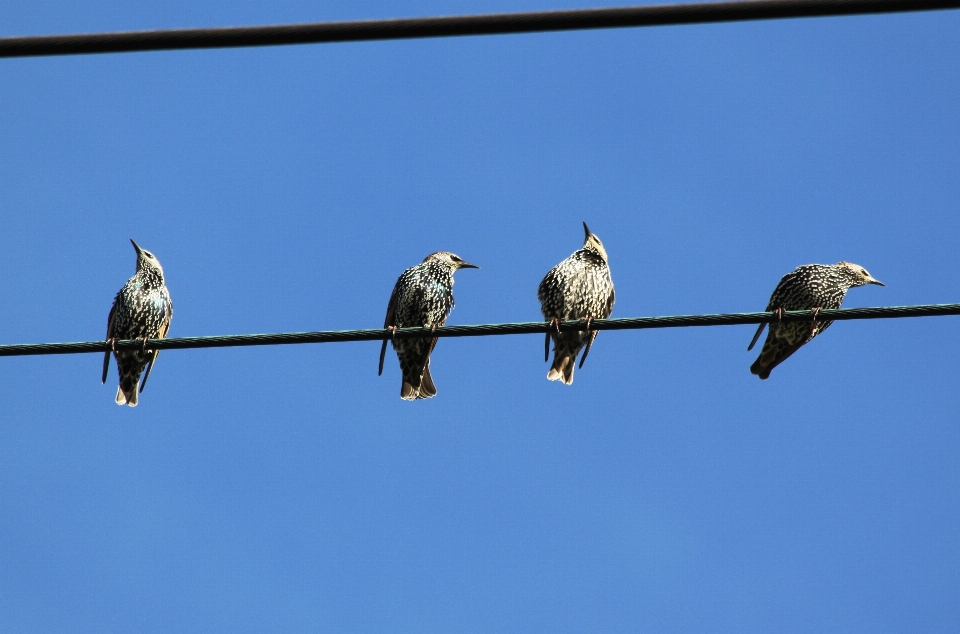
(491, 24)
(526, 328)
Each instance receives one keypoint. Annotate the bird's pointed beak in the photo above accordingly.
(873, 280)
(586, 231)
(467, 265)
(136, 246)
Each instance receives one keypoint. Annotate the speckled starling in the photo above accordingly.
(141, 310)
(580, 287)
(808, 287)
(422, 296)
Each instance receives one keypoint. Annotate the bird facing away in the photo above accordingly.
(141, 310)
(422, 296)
(580, 287)
(808, 287)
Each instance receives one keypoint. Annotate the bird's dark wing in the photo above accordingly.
(772, 305)
(153, 357)
(161, 334)
(106, 354)
(756, 336)
(591, 336)
(433, 343)
(390, 320)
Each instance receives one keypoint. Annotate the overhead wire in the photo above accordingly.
(451, 26)
(480, 330)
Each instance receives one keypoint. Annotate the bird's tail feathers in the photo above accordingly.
(775, 352)
(128, 392)
(427, 388)
(127, 398)
(417, 387)
(563, 366)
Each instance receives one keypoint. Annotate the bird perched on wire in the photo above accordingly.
(808, 287)
(580, 287)
(422, 296)
(141, 310)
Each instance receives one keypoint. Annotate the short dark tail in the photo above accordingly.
(418, 385)
(760, 370)
(775, 352)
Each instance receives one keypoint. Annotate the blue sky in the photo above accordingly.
(285, 189)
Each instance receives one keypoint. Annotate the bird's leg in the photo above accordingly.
(813, 323)
(143, 344)
(779, 312)
(113, 343)
(393, 331)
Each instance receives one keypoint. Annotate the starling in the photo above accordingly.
(580, 287)
(141, 310)
(422, 296)
(808, 287)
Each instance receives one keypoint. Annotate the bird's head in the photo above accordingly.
(147, 261)
(856, 275)
(592, 243)
(450, 260)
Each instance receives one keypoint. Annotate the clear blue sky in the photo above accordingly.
(283, 189)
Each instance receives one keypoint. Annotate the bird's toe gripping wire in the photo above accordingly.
(813, 322)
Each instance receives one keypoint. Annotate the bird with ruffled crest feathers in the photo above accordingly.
(141, 310)
(422, 296)
(808, 287)
(579, 288)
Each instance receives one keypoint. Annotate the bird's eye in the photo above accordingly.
(455, 258)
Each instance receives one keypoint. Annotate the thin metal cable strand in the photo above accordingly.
(491, 24)
(537, 327)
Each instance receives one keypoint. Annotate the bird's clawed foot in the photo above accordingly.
(779, 313)
(813, 323)
(113, 343)
(143, 344)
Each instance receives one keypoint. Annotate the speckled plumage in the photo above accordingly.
(422, 296)
(141, 310)
(808, 287)
(580, 287)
